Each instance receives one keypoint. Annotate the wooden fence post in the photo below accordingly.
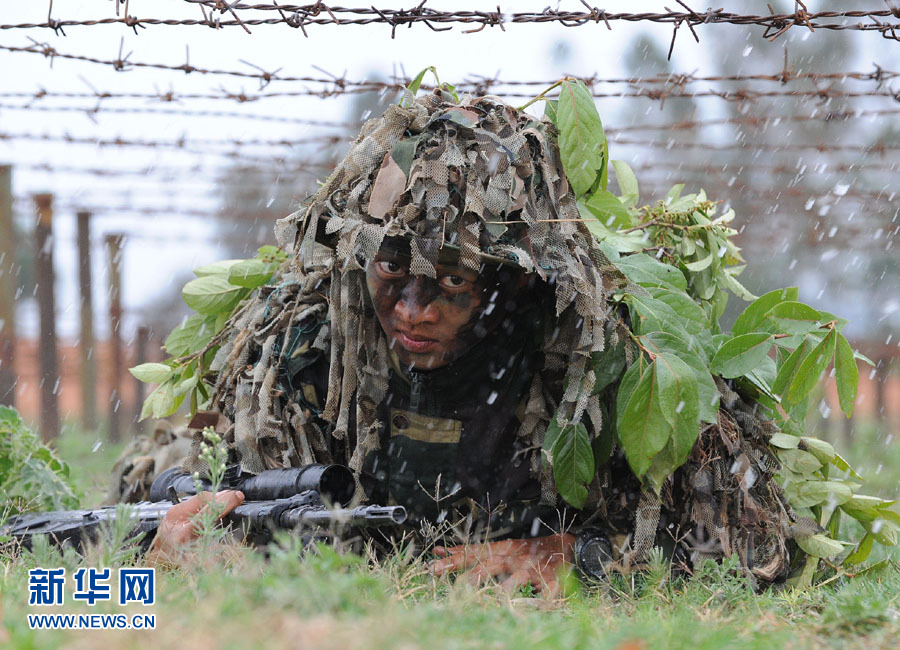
(7, 291)
(114, 261)
(49, 382)
(142, 342)
(88, 364)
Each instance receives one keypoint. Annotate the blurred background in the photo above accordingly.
(133, 151)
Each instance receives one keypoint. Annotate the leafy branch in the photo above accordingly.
(216, 295)
(777, 352)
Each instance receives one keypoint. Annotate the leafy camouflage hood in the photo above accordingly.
(474, 182)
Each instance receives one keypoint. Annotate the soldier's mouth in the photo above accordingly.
(416, 343)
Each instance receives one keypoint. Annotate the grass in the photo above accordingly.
(237, 598)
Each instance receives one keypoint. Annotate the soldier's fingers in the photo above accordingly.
(184, 510)
(444, 551)
(456, 561)
(230, 499)
(478, 575)
(519, 578)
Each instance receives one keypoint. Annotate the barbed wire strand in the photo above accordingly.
(758, 121)
(304, 16)
(124, 63)
(657, 94)
(326, 140)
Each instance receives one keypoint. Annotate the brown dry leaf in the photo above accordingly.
(388, 186)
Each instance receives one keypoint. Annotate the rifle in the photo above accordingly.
(294, 499)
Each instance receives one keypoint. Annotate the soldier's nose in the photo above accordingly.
(416, 304)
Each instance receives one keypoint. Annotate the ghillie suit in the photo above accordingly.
(481, 184)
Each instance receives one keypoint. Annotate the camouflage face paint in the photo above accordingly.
(429, 322)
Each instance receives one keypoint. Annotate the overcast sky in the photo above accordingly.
(159, 249)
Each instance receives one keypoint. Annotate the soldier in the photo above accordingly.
(443, 307)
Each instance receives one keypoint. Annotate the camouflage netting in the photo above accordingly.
(477, 177)
(484, 182)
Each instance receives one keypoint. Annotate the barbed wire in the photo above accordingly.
(657, 94)
(303, 16)
(90, 111)
(745, 167)
(180, 143)
(760, 121)
(154, 172)
(189, 144)
(878, 148)
(123, 62)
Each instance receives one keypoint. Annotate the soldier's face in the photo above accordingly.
(429, 322)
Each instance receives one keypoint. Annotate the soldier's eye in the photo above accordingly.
(453, 282)
(390, 269)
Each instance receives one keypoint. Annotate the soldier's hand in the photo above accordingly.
(515, 562)
(179, 526)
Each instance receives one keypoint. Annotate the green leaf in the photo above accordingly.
(839, 462)
(687, 407)
(651, 315)
(582, 144)
(846, 375)
(191, 336)
(152, 373)
(818, 448)
(799, 461)
(702, 263)
(862, 551)
(216, 268)
(162, 402)
(628, 185)
(753, 317)
(416, 83)
(727, 279)
(741, 354)
(251, 273)
(642, 269)
(810, 493)
(784, 441)
(642, 427)
(212, 294)
(693, 318)
(550, 109)
(788, 369)
(793, 317)
(572, 458)
(811, 369)
(763, 376)
(609, 210)
(707, 392)
(608, 364)
(820, 545)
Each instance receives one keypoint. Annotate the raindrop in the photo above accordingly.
(833, 231)
(749, 478)
(792, 264)
(840, 189)
(492, 397)
(96, 447)
(747, 50)
(535, 526)
(680, 406)
(824, 409)
(270, 201)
